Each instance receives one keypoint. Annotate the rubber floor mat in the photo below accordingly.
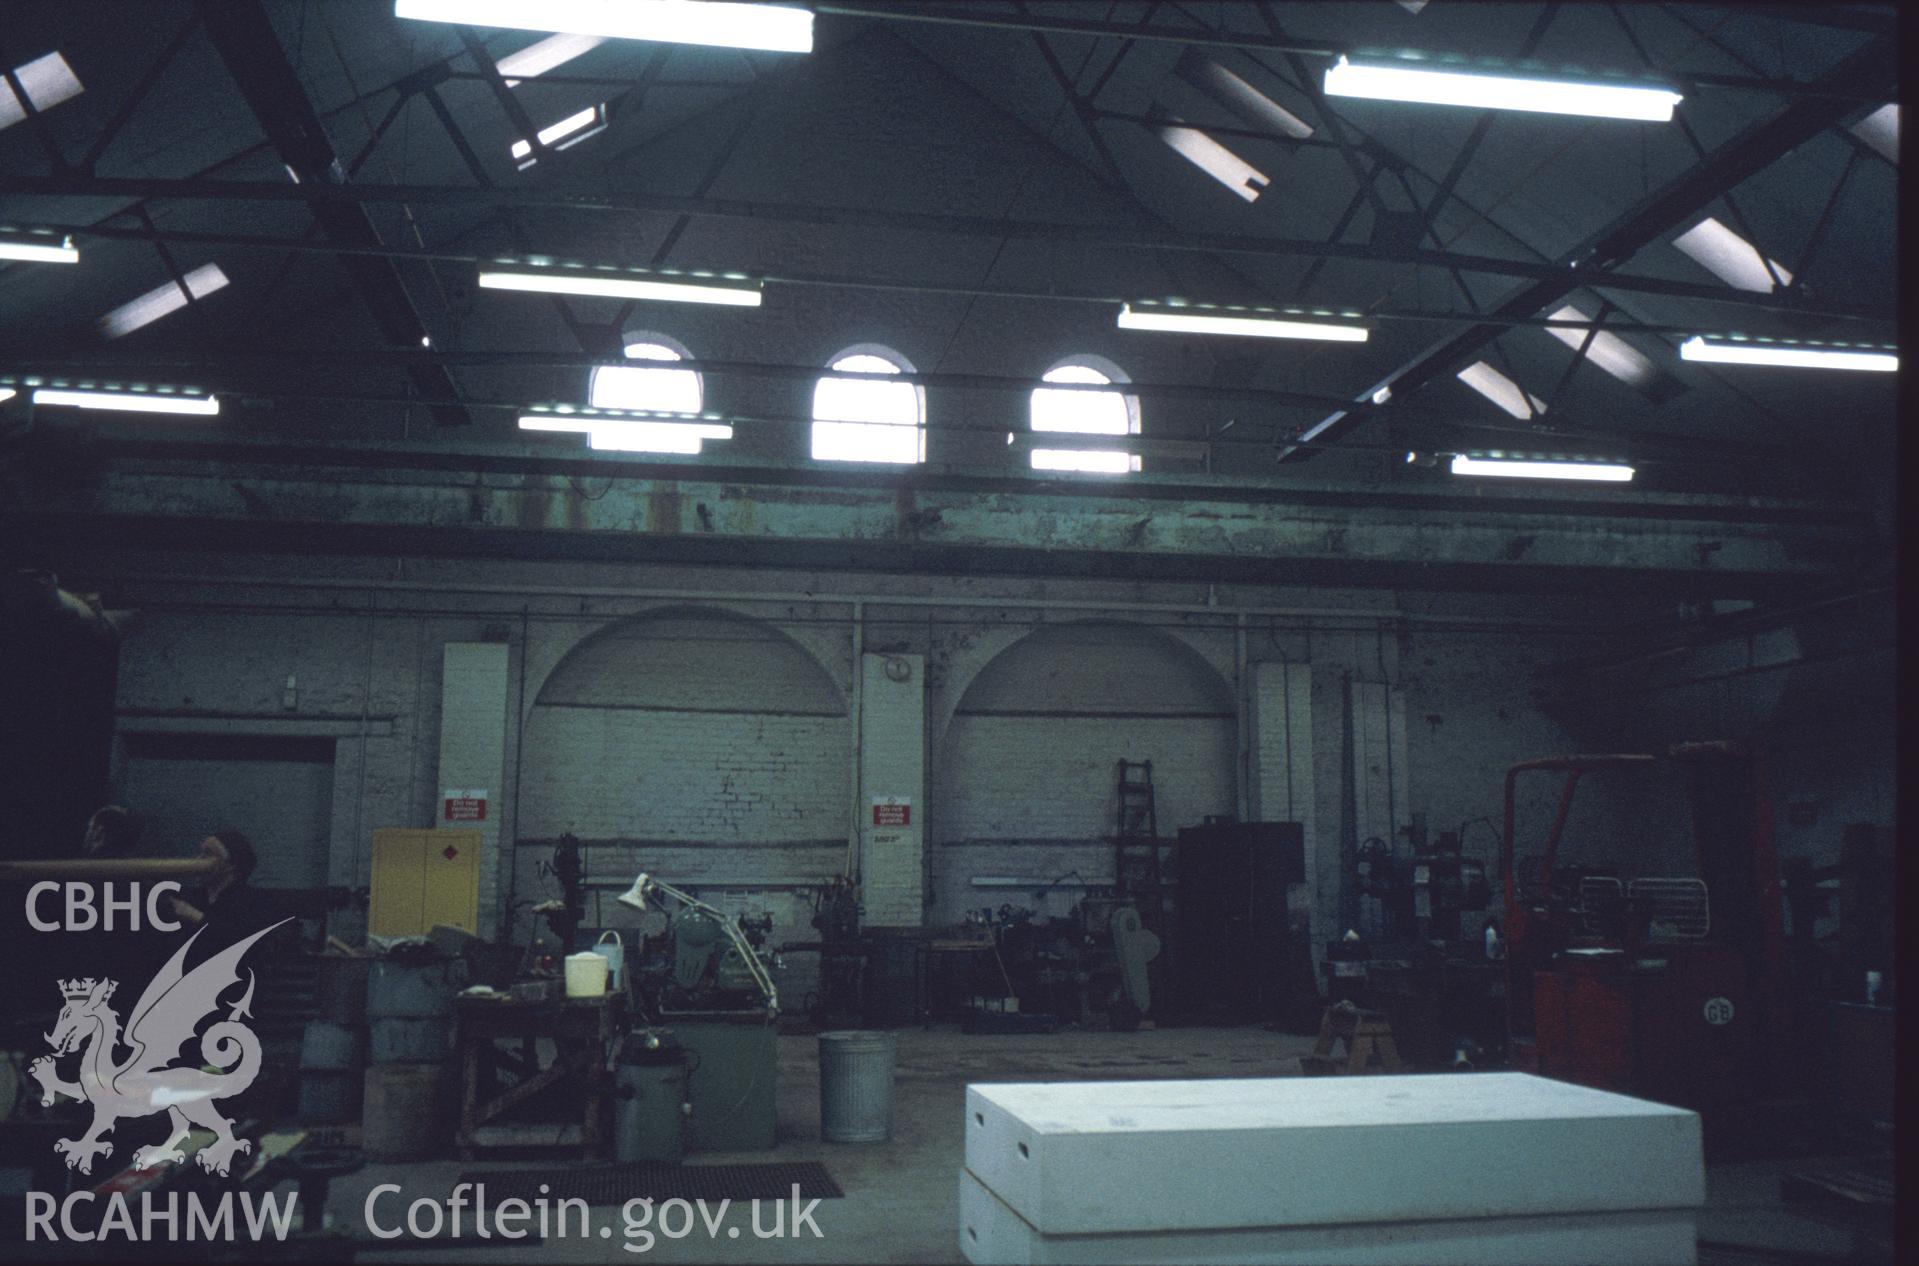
(616, 1184)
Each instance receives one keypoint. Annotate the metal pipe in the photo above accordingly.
(826, 598)
(94, 868)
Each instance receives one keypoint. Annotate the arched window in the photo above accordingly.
(1085, 413)
(661, 390)
(670, 391)
(865, 419)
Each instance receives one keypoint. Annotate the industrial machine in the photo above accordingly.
(1087, 967)
(1411, 950)
(707, 978)
(1668, 987)
(704, 962)
(1423, 893)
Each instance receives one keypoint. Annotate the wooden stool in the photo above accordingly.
(1369, 1043)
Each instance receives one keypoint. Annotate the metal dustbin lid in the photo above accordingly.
(845, 1039)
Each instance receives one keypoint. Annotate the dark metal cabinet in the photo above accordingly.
(1233, 957)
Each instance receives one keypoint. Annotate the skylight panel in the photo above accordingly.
(161, 301)
(548, 54)
(565, 134)
(1207, 154)
(1880, 129)
(1729, 257)
(867, 420)
(659, 390)
(1607, 350)
(1248, 102)
(47, 81)
(1501, 390)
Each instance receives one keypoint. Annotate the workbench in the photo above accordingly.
(582, 1030)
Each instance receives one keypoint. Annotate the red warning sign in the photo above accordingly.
(892, 811)
(464, 806)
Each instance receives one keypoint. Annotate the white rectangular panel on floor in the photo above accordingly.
(992, 1233)
(1087, 1157)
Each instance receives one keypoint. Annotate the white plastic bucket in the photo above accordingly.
(585, 975)
(613, 950)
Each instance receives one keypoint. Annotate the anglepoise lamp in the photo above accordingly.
(636, 895)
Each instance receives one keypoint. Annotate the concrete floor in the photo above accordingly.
(901, 1202)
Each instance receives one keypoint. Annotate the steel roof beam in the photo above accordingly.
(1587, 265)
(863, 218)
(245, 39)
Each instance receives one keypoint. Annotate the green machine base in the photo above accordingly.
(732, 1071)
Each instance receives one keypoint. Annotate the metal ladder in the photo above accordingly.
(1136, 861)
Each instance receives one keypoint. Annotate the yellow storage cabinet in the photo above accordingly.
(422, 878)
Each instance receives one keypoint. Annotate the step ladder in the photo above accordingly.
(1136, 860)
(1368, 1039)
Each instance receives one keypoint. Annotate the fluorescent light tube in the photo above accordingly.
(1793, 355)
(39, 248)
(565, 134)
(606, 281)
(630, 430)
(129, 401)
(1429, 84)
(1207, 154)
(6, 394)
(772, 28)
(1603, 472)
(548, 54)
(1252, 322)
(160, 301)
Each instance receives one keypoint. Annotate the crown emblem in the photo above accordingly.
(76, 990)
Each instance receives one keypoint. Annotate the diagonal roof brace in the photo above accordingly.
(1872, 68)
(244, 36)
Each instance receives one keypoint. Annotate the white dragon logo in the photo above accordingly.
(174, 1004)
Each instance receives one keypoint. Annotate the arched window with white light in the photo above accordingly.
(670, 400)
(1085, 413)
(869, 419)
(661, 390)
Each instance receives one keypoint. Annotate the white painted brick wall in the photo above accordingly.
(893, 763)
(697, 746)
(1032, 795)
(611, 773)
(1055, 777)
(473, 717)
